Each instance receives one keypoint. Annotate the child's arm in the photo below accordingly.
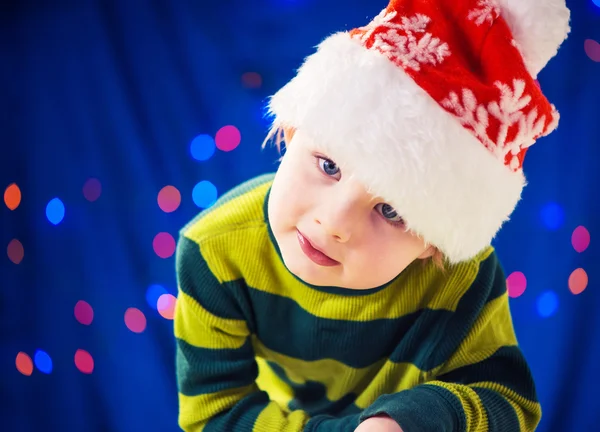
(485, 385)
(216, 369)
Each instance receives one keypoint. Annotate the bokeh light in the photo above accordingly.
(24, 364)
(166, 306)
(204, 194)
(92, 189)
(251, 80)
(43, 361)
(228, 138)
(516, 283)
(592, 49)
(202, 147)
(164, 245)
(84, 361)
(15, 251)
(12, 196)
(552, 216)
(135, 320)
(578, 281)
(153, 293)
(580, 238)
(55, 211)
(169, 199)
(547, 304)
(596, 2)
(84, 313)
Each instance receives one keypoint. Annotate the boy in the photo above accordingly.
(314, 299)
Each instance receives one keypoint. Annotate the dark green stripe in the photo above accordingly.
(196, 280)
(501, 415)
(327, 423)
(233, 193)
(212, 370)
(301, 335)
(496, 276)
(506, 367)
(425, 408)
(241, 417)
(438, 333)
(311, 397)
(425, 338)
(418, 338)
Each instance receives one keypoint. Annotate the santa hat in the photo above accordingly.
(432, 106)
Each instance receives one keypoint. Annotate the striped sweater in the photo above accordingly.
(260, 350)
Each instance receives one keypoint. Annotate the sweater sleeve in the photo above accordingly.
(485, 384)
(216, 368)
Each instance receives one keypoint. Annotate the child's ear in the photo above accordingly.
(429, 252)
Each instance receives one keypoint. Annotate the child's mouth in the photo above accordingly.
(313, 253)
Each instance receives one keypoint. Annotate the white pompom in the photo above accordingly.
(539, 28)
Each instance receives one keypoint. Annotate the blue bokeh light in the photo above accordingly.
(153, 293)
(204, 194)
(553, 216)
(596, 2)
(43, 361)
(55, 211)
(547, 304)
(202, 147)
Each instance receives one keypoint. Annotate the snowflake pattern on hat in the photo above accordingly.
(400, 42)
(508, 110)
(485, 11)
(505, 112)
(440, 97)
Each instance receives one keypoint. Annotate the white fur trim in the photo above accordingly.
(375, 122)
(538, 26)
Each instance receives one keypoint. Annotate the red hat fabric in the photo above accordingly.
(432, 106)
(471, 68)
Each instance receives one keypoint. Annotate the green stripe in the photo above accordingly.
(311, 397)
(304, 336)
(496, 277)
(232, 194)
(425, 408)
(204, 371)
(425, 338)
(196, 280)
(439, 334)
(326, 423)
(502, 367)
(241, 417)
(501, 415)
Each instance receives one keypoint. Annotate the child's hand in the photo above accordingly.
(379, 424)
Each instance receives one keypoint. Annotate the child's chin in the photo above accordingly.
(309, 272)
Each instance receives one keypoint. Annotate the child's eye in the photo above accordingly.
(328, 166)
(390, 215)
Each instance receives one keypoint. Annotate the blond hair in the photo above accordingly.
(438, 259)
(279, 135)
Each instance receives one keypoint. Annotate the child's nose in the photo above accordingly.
(339, 220)
(339, 233)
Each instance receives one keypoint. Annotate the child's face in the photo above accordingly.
(312, 202)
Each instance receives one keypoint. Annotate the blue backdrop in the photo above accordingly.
(120, 120)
